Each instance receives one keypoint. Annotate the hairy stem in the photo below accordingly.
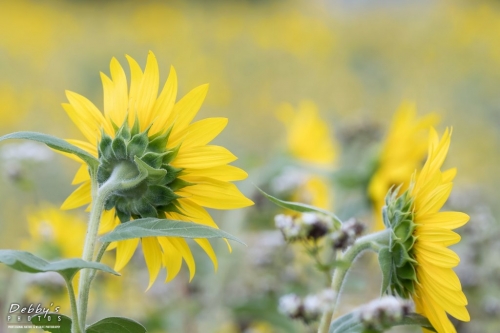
(368, 242)
(75, 323)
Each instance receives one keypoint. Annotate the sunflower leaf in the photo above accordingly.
(53, 322)
(116, 325)
(154, 227)
(300, 207)
(55, 143)
(26, 262)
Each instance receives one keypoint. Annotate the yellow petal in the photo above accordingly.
(172, 259)
(436, 255)
(434, 234)
(211, 193)
(183, 248)
(124, 251)
(120, 93)
(88, 129)
(153, 257)
(436, 315)
(438, 286)
(88, 147)
(89, 114)
(164, 105)
(434, 201)
(81, 196)
(199, 133)
(135, 81)
(207, 247)
(449, 175)
(187, 108)
(148, 91)
(444, 276)
(195, 213)
(446, 220)
(445, 299)
(203, 157)
(109, 221)
(225, 173)
(82, 175)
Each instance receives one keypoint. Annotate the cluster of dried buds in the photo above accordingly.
(383, 312)
(308, 309)
(313, 226)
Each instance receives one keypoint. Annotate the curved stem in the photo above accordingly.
(75, 324)
(367, 242)
(100, 254)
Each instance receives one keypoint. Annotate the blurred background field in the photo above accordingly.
(355, 60)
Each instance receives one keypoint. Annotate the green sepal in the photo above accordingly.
(160, 195)
(407, 271)
(404, 230)
(178, 183)
(172, 173)
(116, 325)
(172, 153)
(54, 322)
(159, 143)
(385, 262)
(137, 146)
(119, 147)
(154, 176)
(27, 262)
(399, 255)
(154, 160)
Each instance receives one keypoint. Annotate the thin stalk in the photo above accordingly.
(75, 323)
(100, 254)
(368, 242)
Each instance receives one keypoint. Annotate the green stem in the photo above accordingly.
(98, 201)
(124, 176)
(368, 242)
(75, 324)
(100, 254)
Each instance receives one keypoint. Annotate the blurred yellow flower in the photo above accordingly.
(438, 290)
(402, 153)
(55, 233)
(308, 136)
(310, 141)
(198, 174)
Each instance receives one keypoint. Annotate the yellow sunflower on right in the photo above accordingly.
(402, 153)
(422, 262)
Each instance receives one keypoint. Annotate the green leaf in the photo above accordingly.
(385, 262)
(53, 322)
(55, 143)
(300, 207)
(116, 325)
(350, 323)
(26, 262)
(154, 227)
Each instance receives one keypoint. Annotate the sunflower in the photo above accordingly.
(309, 140)
(402, 153)
(422, 266)
(139, 125)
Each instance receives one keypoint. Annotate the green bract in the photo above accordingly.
(146, 159)
(397, 259)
